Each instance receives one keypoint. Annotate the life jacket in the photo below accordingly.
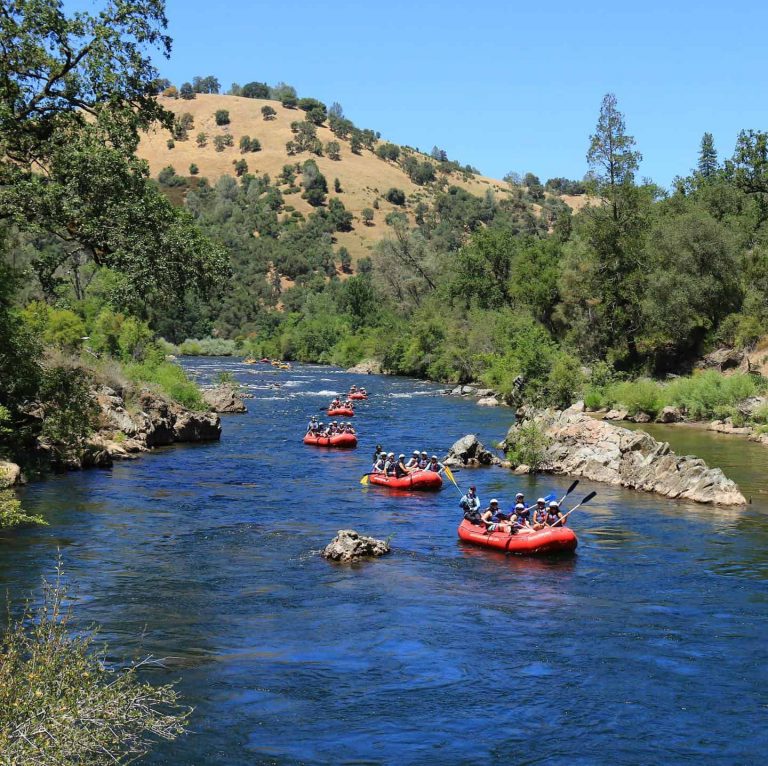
(400, 471)
(552, 518)
(473, 517)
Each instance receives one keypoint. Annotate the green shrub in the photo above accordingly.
(529, 446)
(12, 515)
(171, 379)
(208, 347)
(711, 394)
(61, 703)
(642, 395)
(222, 117)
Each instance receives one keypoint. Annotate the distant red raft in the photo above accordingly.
(342, 412)
(418, 480)
(358, 395)
(550, 540)
(338, 440)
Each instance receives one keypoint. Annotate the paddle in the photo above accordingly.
(560, 521)
(449, 474)
(570, 489)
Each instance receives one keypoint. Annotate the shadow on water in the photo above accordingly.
(646, 646)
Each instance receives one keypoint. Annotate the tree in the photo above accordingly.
(355, 143)
(222, 141)
(207, 84)
(611, 156)
(339, 215)
(268, 113)
(193, 169)
(235, 90)
(222, 117)
(749, 169)
(255, 90)
(241, 167)
(336, 111)
(245, 144)
(708, 164)
(187, 92)
(388, 151)
(288, 101)
(281, 90)
(346, 260)
(367, 215)
(171, 92)
(439, 154)
(202, 139)
(337, 186)
(333, 150)
(314, 183)
(395, 196)
(60, 110)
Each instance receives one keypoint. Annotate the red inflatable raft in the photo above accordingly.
(550, 540)
(421, 480)
(338, 440)
(342, 412)
(358, 395)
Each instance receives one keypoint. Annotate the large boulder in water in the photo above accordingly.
(367, 367)
(349, 546)
(224, 398)
(469, 452)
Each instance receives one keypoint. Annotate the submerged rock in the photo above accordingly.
(469, 451)
(349, 546)
(224, 398)
(582, 446)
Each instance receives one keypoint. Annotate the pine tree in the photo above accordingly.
(708, 164)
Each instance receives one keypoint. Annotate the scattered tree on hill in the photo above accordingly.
(376, 203)
(565, 186)
(170, 143)
(333, 150)
(202, 139)
(281, 90)
(439, 154)
(306, 139)
(167, 177)
(749, 170)
(222, 117)
(288, 101)
(388, 151)
(187, 92)
(205, 84)
(255, 90)
(235, 90)
(336, 111)
(367, 216)
(364, 265)
(182, 125)
(248, 144)
(340, 126)
(395, 196)
(222, 141)
(339, 215)
(346, 260)
(355, 144)
(419, 172)
(314, 183)
(337, 186)
(267, 112)
(513, 178)
(241, 167)
(171, 92)
(193, 169)
(288, 174)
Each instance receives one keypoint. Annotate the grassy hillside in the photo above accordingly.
(364, 177)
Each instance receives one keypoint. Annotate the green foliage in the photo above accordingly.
(528, 446)
(333, 150)
(169, 378)
(223, 141)
(314, 183)
(202, 139)
(12, 515)
(168, 177)
(61, 702)
(367, 216)
(710, 394)
(222, 117)
(637, 396)
(255, 90)
(193, 169)
(395, 196)
(241, 167)
(208, 347)
(268, 113)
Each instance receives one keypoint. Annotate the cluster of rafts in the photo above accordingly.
(559, 539)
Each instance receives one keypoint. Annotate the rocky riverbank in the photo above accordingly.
(576, 444)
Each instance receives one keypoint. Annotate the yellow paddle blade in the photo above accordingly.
(364, 480)
(449, 474)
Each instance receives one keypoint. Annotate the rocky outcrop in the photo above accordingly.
(582, 446)
(367, 367)
(348, 547)
(156, 422)
(616, 415)
(488, 401)
(469, 452)
(224, 398)
(724, 359)
(726, 427)
(10, 474)
(669, 415)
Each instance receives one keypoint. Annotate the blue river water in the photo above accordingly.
(647, 646)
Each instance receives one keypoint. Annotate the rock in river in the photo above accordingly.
(224, 398)
(469, 451)
(582, 446)
(349, 546)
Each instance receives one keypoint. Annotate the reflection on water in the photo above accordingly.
(646, 646)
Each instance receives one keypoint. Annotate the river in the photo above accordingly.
(648, 646)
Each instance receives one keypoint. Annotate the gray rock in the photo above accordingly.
(367, 367)
(456, 391)
(469, 451)
(577, 407)
(348, 547)
(750, 406)
(197, 427)
(224, 398)
(583, 446)
(616, 415)
(485, 392)
(669, 415)
(489, 401)
(641, 417)
(726, 359)
(10, 474)
(468, 390)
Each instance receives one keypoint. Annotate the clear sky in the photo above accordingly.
(499, 85)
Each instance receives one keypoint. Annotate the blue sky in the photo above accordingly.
(499, 85)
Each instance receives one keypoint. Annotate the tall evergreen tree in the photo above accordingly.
(708, 164)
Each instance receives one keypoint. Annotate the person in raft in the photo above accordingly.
(352, 389)
(390, 463)
(379, 463)
(312, 426)
(335, 403)
(539, 514)
(414, 461)
(496, 520)
(521, 518)
(363, 392)
(350, 428)
(554, 518)
(401, 469)
(470, 502)
(435, 465)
